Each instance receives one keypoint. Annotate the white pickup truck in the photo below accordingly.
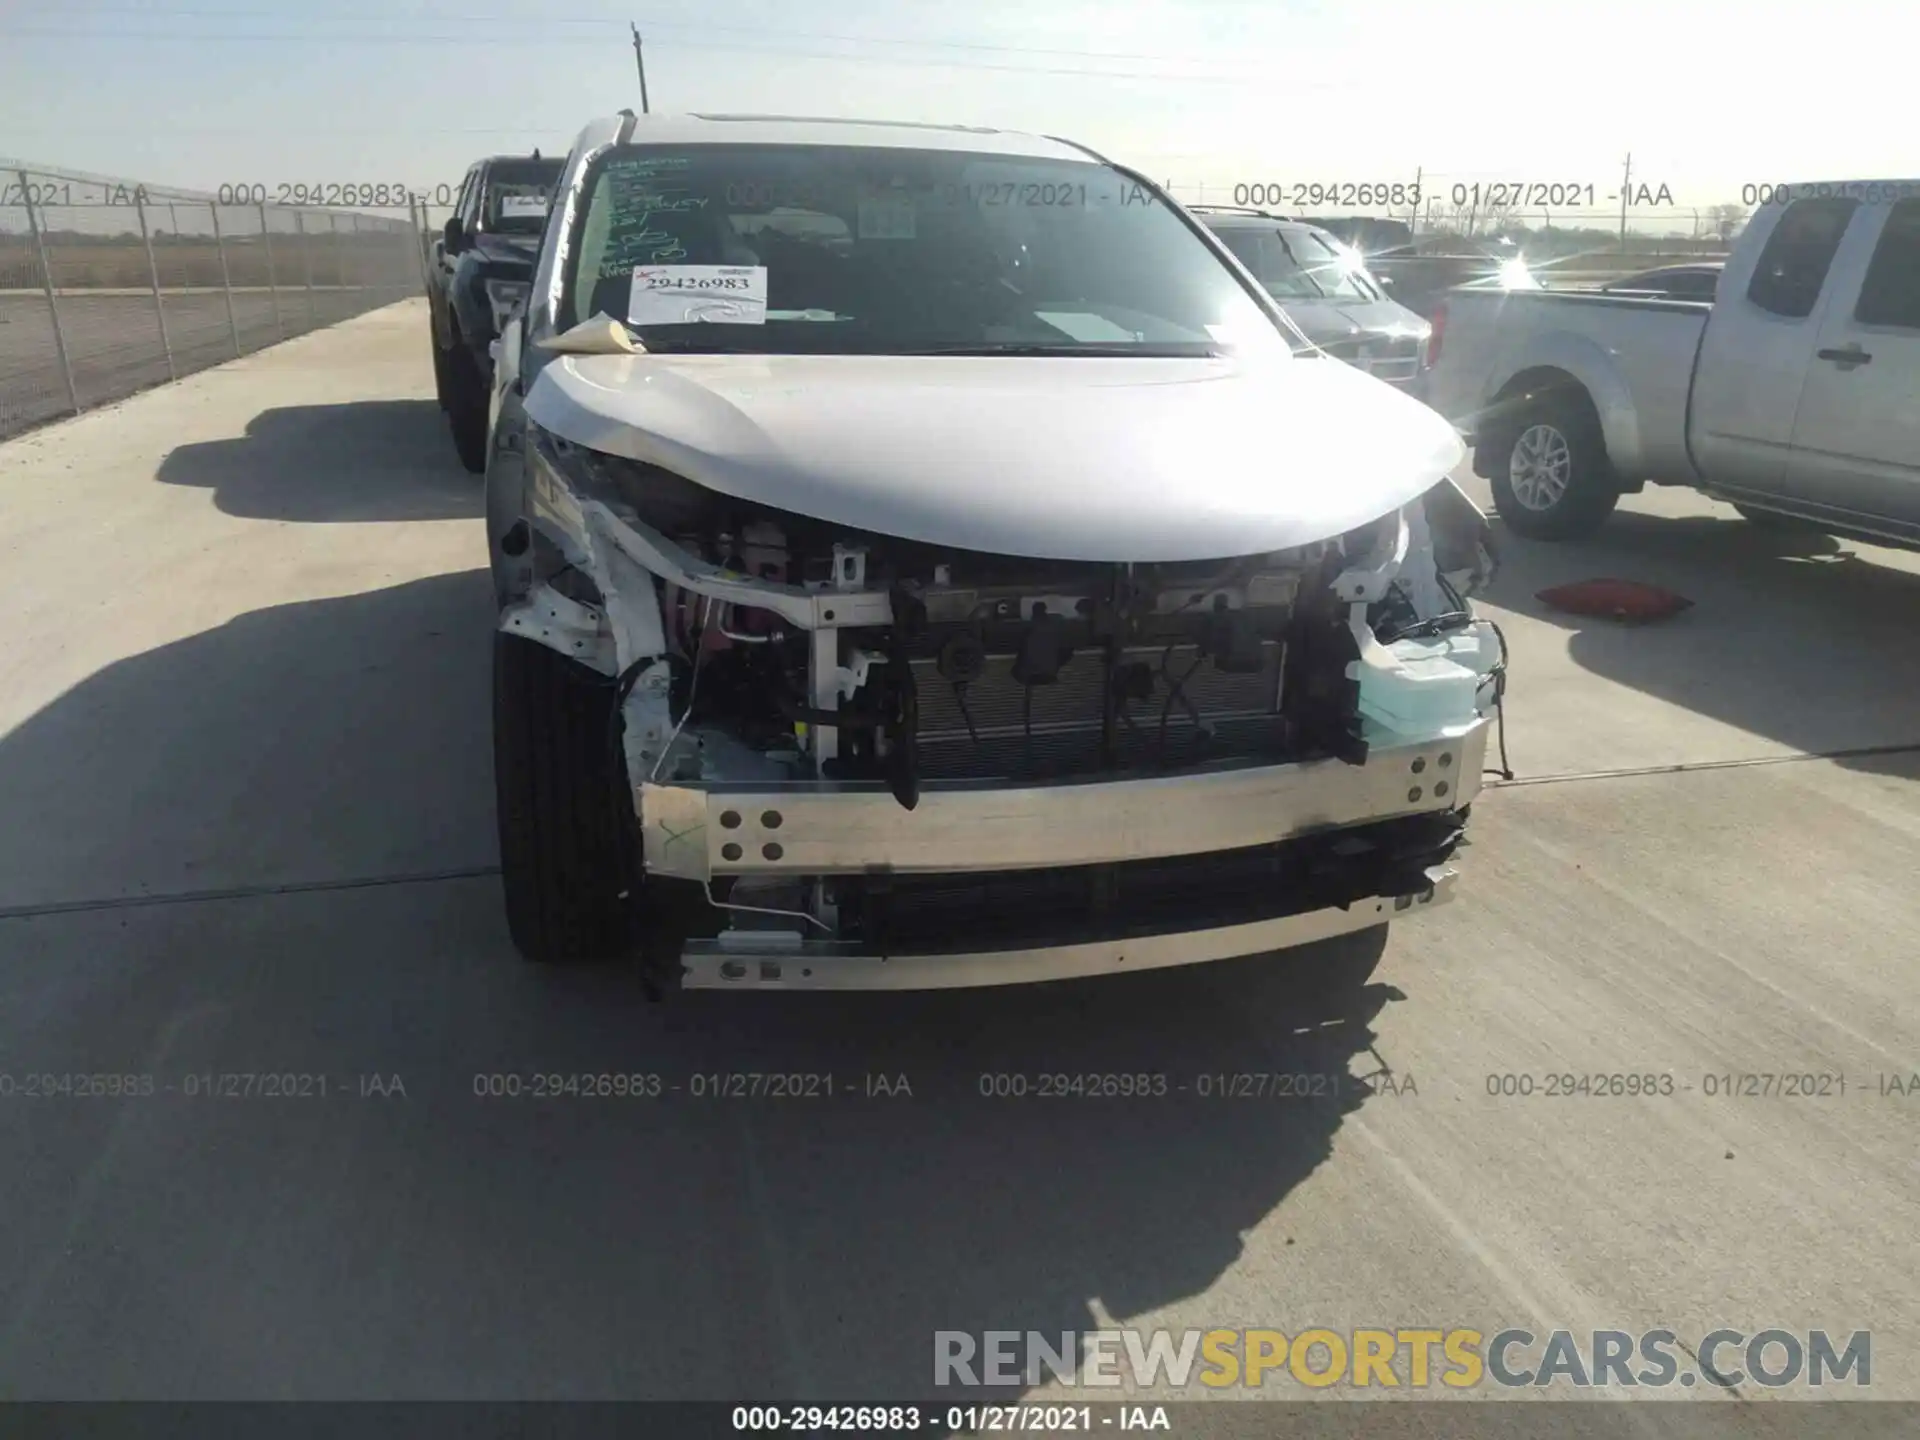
(1794, 394)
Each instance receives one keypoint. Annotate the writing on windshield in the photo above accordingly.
(890, 251)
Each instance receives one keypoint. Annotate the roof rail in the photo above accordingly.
(1240, 210)
(1083, 149)
(844, 120)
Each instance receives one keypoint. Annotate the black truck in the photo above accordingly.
(479, 269)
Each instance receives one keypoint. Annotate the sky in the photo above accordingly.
(1707, 96)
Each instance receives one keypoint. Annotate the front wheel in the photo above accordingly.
(559, 789)
(1550, 475)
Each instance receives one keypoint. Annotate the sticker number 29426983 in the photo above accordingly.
(698, 294)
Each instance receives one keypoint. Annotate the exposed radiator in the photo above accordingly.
(1056, 728)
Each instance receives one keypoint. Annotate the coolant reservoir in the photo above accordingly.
(1426, 687)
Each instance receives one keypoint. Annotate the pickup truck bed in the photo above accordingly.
(1639, 353)
(1792, 394)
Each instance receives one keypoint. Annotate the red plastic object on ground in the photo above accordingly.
(1632, 601)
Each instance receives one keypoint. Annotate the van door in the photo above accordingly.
(1758, 344)
(1856, 437)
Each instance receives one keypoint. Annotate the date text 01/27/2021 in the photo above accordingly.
(956, 1419)
(1206, 1085)
(55, 193)
(200, 1085)
(1721, 1084)
(700, 1085)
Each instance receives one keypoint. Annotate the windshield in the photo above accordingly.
(518, 196)
(1299, 265)
(1368, 235)
(870, 251)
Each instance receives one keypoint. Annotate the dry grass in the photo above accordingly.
(84, 263)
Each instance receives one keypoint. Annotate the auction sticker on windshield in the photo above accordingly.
(698, 294)
(522, 207)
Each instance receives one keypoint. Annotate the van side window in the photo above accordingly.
(1794, 265)
(1890, 295)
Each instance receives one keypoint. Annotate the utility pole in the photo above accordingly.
(1626, 189)
(640, 64)
(1413, 211)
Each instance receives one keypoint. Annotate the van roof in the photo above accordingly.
(714, 129)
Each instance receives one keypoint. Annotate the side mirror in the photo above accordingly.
(455, 234)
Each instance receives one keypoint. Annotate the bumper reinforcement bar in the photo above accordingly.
(806, 828)
(784, 960)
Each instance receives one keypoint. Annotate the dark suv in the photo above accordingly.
(481, 268)
(1327, 290)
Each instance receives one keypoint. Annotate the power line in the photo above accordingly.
(289, 38)
(654, 25)
(1263, 82)
(564, 129)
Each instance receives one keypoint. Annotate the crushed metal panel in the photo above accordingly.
(564, 626)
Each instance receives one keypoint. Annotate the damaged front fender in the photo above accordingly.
(1462, 533)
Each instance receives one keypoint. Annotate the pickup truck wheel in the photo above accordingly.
(563, 845)
(1550, 476)
(467, 399)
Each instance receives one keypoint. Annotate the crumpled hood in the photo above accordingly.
(1085, 458)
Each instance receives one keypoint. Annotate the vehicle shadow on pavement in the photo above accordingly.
(305, 742)
(1801, 638)
(869, 1222)
(364, 460)
(702, 1242)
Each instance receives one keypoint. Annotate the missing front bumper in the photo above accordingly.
(783, 960)
(813, 828)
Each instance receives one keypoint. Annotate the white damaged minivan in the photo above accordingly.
(926, 557)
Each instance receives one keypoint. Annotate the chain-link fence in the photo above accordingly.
(108, 286)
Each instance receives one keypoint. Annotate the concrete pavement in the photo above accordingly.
(244, 770)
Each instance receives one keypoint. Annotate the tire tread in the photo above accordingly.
(563, 858)
(467, 405)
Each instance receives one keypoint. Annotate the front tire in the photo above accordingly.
(558, 791)
(468, 403)
(1550, 475)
